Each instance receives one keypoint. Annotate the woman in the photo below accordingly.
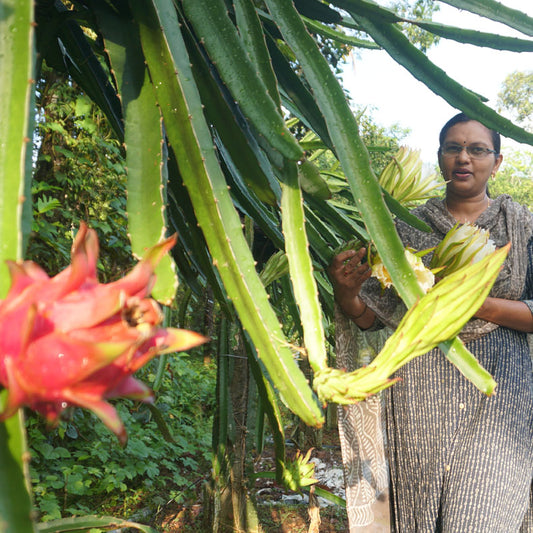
(460, 461)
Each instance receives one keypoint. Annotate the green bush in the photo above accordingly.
(79, 466)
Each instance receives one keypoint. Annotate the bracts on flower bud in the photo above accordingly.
(463, 244)
(299, 472)
(335, 385)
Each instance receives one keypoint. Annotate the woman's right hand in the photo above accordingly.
(347, 274)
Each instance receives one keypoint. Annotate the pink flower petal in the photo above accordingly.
(139, 281)
(103, 410)
(85, 308)
(57, 360)
(131, 388)
(16, 396)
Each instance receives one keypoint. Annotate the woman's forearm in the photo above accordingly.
(357, 310)
(508, 313)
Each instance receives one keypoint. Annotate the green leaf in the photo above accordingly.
(83, 105)
(191, 252)
(213, 26)
(465, 36)
(190, 139)
(333, 213)
(403, 213)
(513, 18)
(317, 10)
(66, 47)
(46, 204)
(311, 181)
(338, 36)
(238, 142)
(221, 422)
(329, 496)
(478, 38)
(269, 403)
(301, 269)
(253, 38)
(297, 96)
(246, 200)
(145, 150)
(15, 502)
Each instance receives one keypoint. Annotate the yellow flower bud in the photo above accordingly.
(425, 277)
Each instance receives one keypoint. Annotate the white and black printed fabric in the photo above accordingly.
(460, 461)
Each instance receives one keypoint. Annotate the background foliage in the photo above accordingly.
(79, 175)
(78, 468)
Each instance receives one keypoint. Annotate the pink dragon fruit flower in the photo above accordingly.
(71, 341)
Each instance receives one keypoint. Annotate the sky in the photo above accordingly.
(394, 96)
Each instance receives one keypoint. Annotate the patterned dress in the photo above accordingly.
(461, 461)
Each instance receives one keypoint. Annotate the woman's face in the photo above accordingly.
(468, 176)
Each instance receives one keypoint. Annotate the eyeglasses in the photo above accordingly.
(475, 152)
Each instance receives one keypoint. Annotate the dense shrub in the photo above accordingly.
(79, 467)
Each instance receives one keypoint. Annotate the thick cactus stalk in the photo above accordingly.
(16, 110)
(190, 139)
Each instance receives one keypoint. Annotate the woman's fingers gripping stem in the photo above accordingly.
(348, 273)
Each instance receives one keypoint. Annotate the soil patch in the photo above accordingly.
(281, 511)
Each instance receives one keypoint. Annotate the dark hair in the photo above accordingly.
(462, 117)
